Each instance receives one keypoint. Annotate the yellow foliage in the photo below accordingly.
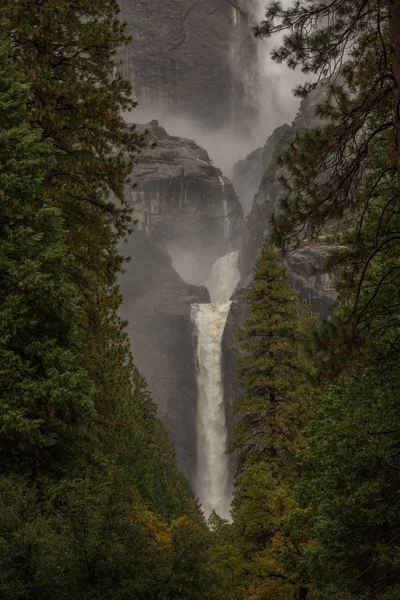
(155, 529)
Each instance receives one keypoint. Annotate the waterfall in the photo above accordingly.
(212, 462)
(223, 278)
(212, 481)
(227, 223)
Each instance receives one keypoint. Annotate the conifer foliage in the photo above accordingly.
(322, 520)
(68, 52)
(345, 173)
(273, 372)
(273, 410)
(46, 397)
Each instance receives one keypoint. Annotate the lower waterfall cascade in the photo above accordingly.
(212, 482)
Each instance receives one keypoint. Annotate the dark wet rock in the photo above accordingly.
(184, 204)
(309, 276)
(156, 304)
(267, 197)
(190, 57)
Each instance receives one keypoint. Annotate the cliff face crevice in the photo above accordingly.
(259, 174)
(261, 171)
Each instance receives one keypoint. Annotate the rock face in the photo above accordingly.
(184, 204)
(308, 275)
(306, 265)
(187, 215)
(157, 307)
(247, 175)
(190, 57)
(262, 173)
(307, 270)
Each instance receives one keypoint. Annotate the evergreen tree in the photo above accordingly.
(92, 505)
(273, 373)
(346, 172)
(337, 534)
(68, 52)
(76, 97)
(273, 409)
(350, 486)
(46, 397)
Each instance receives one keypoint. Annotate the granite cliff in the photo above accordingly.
(184, 204)
(191, 57)
(157, 308)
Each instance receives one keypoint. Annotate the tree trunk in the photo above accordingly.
(394, 35)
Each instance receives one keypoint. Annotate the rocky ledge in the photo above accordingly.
(184, 204)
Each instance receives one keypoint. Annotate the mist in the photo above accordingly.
(268, 88)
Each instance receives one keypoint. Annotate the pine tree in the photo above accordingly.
(319, 37)
(272, 410)
(346, 172)
(46, 397)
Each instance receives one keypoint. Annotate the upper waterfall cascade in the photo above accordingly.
(213, 479)
(223, 278)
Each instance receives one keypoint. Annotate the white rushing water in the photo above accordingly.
(225, 208)
(213, 481)
(223, 278)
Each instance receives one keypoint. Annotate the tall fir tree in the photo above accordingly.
(273, 373)
(272, 411)
(76, 99)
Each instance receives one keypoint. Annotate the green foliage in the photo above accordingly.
(67, 50)
(351, 483)
(274, 371)
(99, 541)
(316, 513)
(344, 173)
(46, 397)
(92, 506)
(273, 410)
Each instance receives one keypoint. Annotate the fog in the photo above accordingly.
(268, 87)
